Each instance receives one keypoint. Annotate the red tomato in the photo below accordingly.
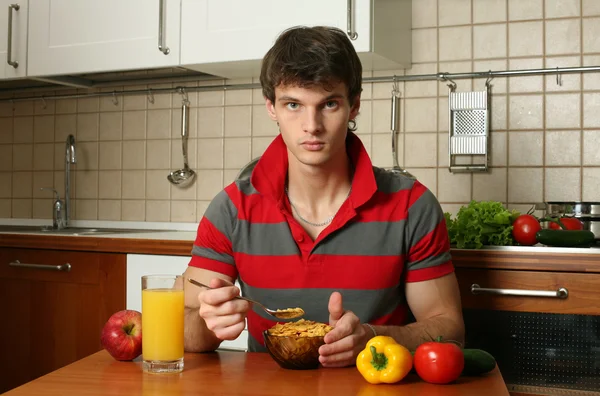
(570, 223)
(439, 362)
(524, 229)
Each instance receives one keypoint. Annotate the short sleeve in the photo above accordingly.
(213, 246)
(427, 241)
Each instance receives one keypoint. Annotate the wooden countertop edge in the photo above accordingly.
(533, 261)
(481, 258)
(94, 244)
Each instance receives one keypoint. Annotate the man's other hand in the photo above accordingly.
(346, 340)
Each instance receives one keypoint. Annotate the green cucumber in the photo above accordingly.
(565, 238)
(477, 362)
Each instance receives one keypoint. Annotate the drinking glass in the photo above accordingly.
(162, 323)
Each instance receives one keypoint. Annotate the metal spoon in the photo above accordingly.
(183, 177)
(288, 313)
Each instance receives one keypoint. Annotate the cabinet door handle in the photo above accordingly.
(351, 32)
(162, 45)
(9, 60)
(63, 267)
(560, 293)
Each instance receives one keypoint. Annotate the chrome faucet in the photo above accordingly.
(70, 158)
(58, 217)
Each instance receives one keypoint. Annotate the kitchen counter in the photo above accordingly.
(236, 373)
(176, 243)
(179, 243)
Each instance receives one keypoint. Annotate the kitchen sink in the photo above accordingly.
(19, 229)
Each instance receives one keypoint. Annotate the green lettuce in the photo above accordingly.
(481, 223)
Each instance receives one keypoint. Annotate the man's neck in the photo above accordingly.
(315, 188)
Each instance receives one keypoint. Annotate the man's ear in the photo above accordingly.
(355, 107)
(271, 109)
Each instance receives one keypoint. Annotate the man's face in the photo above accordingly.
(313, 121)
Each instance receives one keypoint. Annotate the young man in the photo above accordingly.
(318, 227)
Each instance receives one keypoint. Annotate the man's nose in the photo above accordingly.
(312, 122)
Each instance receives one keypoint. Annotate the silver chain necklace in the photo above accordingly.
(327, 221)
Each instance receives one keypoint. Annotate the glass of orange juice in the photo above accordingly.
(162, 323)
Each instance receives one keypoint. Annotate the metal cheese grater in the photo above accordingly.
(469, 126)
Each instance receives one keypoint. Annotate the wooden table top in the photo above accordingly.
(236, 373)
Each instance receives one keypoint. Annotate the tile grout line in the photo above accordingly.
(507, 110)
(472, 175)
(581, 103)
(544, 102)
(437, 173)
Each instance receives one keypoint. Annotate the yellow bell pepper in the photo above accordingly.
(384, 361)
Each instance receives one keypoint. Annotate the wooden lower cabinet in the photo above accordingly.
(54, 317)
(547, 344)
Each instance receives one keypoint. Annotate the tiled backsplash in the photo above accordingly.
(545, 136)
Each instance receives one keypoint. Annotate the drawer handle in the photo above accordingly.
(162, 45)
(561, 293)
(63, 267)
(350, 28)
(9, 60)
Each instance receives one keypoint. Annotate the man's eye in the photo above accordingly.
(332, 104)
(292, 106)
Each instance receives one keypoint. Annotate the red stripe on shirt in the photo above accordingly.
(384, 207)
(209, 235)
(429, 273)
(417, 191)
(214, 265)
(257, 324)
(433, 244)
(321, 271)
(396, 318)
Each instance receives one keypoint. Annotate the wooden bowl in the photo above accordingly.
(294, 353)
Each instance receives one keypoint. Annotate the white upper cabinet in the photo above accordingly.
(13, 25)
(229, 37)
(85, 36)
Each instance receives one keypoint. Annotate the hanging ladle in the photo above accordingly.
(182, 177)
(395, 127)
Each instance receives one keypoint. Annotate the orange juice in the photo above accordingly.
(162, 324)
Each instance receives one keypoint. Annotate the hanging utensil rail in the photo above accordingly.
(229, 87)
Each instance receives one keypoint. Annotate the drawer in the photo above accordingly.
(507, 290)
(84, 266)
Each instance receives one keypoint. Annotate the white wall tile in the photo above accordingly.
(563, 148)
(525, 148)
(424, 13)
(563, 37)
(526, 112)
(562, 8)
(525, 9)
(562, 184)
(489, 11)
(525, 185)
(563, 111)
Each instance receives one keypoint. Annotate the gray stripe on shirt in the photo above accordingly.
(423, 217)
(264, 239)
(374, 238)
(212, 255)
(222, 213)
(366, 304)
(389, 182)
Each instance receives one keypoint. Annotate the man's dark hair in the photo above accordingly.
(306, 56)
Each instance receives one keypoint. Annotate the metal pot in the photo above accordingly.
(587, 212)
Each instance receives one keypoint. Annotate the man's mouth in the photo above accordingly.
(313, 146)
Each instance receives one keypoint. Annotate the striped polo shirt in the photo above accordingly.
(389, 231)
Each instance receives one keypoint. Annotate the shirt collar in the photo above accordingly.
(269, 175)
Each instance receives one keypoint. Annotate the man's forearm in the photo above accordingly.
(415, 334)
(198, 338)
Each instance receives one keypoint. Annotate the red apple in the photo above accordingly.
(122, 335)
